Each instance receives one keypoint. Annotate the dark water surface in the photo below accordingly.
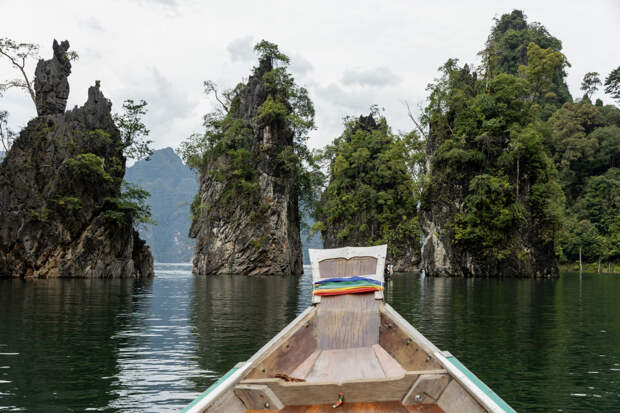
(125, 346)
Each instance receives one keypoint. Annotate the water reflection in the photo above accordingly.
(235, 315)
(156, 360)
(543, 345)
(58, 342)
(120, 345)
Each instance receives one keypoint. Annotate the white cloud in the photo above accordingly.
(241, 49)
(93, 24)
(340, 56)
(377, 77)
(300, 66)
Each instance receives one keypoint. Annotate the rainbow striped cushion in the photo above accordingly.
(349, 285)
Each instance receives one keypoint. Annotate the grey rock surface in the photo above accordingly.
(51, 84)
(231, 239)
(57, 189)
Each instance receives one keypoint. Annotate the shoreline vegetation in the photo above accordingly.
(592, 268)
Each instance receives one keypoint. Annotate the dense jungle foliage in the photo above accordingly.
(585, 145)
(528, 160)
(371, 197)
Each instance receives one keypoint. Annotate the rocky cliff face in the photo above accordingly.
(59, 189)
(250, 235)
(442, 258)
(51, 83)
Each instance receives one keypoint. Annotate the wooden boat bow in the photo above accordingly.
(353, 346)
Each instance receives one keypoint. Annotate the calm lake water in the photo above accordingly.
(125, 346)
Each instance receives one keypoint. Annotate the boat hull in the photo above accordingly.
(437, 381)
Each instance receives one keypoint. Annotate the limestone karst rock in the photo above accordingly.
(454, 192)
(59, 191)
(51, 84)
(235, 234)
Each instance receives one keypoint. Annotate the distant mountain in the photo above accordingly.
(172, 186)
(308, 241)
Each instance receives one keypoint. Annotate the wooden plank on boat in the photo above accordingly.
(391, 368)
(404, 348)
(342, 267)
(347, 321)
(424, 408)
(256, 396)
(227, 402)
(456, 399)
(381, 407)
(427, 389)
(301, 371)
(291, 352)
(346, 364)
(262, 411)
(307, 393)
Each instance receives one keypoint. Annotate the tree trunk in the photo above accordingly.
(599, 265)
(517, 179)
(580, 265)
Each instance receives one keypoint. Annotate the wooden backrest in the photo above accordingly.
(348, 262)
(348, 321)
(342, 267)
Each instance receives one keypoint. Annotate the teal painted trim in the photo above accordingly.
(480, 384)
(210, 389)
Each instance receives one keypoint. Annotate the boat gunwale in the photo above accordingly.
(481, 397)
(204, 400)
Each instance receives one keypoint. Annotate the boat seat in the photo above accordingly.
(380, 407)
(376, 407)
(348, 342)
(348, 364)
(325, 392)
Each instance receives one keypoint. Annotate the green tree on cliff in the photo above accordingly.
(134, 134)
(509, 49)
(7, 136)
(132, 204)
(371, 197)
(612, 84)
(230, 132)
(590, 84)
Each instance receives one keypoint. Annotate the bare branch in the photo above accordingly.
(414, 120)
(211, 87)
(18, 55)
(7, 136)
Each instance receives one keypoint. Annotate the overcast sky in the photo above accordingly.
(348, 54)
